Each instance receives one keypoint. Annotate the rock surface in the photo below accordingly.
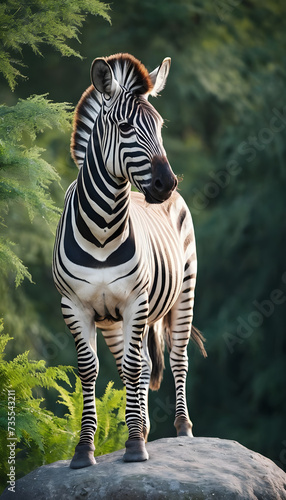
(178, 468)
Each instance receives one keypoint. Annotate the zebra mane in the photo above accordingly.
(130, 74)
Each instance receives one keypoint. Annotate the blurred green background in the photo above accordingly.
(224, 108)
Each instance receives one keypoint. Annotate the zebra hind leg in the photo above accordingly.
(113, 336)
(179, 366)
(179, 324)
(84, 334)
(114, 339)
(144, 386)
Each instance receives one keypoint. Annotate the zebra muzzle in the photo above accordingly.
(163, 181)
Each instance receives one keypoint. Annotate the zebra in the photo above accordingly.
(125, 261)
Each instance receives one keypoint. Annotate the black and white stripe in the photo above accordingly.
(123, 261)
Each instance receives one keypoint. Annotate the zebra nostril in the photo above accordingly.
(158, 185)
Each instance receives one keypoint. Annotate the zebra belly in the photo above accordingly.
(106, 293)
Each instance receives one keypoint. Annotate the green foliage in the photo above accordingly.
(10, 262)
(40, 22)
(25, 175)
(41, 436)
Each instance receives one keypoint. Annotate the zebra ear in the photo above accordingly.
(159, 76)
(103, 78)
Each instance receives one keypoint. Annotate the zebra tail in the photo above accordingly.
(198, 339)
(196, 336)
(156, 350)
(156, 347)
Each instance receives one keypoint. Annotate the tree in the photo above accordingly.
(35, 23)
(25, 175)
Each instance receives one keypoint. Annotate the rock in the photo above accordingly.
(178, 468)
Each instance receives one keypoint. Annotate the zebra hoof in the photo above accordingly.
(184, 427)
(135, 451)
(83, 456)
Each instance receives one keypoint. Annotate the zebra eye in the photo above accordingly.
(125, 127)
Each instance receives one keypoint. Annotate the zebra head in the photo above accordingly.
(129, 127)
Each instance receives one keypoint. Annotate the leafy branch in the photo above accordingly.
(37, 22)
(25, 176)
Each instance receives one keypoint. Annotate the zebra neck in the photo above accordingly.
(101, 204)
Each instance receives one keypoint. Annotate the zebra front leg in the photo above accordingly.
(84, 334)
(134, 330)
